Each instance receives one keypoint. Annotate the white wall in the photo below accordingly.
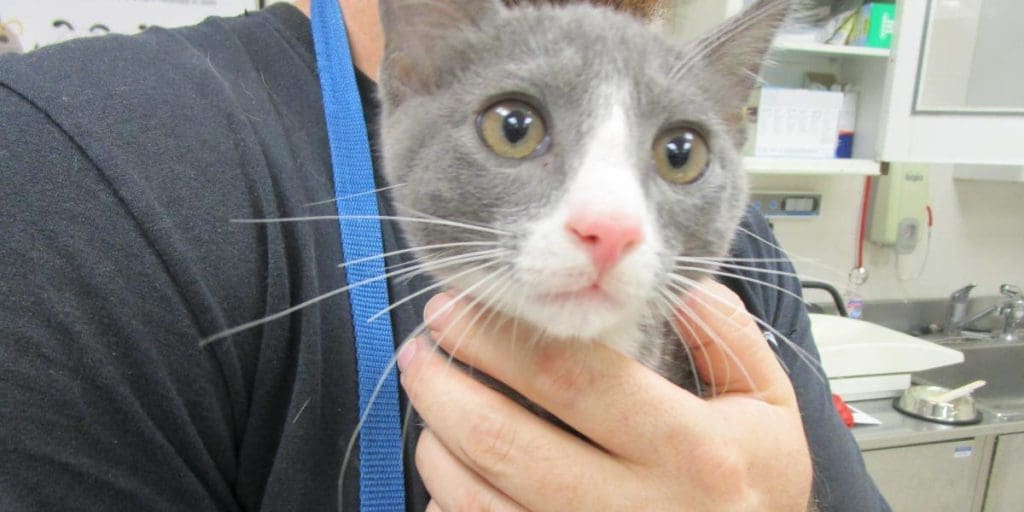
(978, 236)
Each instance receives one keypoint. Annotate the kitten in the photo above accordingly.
(584, 153)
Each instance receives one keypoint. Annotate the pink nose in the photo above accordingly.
(606, 238)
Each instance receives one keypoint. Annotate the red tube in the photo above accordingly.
(863, 222)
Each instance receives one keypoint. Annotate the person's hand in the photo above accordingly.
(655, 445)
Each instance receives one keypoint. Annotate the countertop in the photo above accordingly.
(898, 429)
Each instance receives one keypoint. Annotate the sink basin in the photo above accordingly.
(1000, 364)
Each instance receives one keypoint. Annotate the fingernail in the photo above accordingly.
(406, 353)
(437, 311)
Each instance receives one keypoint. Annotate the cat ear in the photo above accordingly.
(415, 32)
(730, 58)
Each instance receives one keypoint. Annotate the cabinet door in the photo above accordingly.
(1006, 481)
(938, 477)
(953, 91)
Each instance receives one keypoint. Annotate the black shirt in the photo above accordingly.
(123, 161)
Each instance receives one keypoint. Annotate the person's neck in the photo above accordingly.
(362, 21)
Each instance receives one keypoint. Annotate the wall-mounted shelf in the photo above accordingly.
(831, 50)
(844, 166)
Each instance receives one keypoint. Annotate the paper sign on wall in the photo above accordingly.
(44, 22)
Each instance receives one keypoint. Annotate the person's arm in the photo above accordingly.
(100, 371)
(841, 482)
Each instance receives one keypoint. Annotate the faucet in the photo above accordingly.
(1010, 310)
(958, 311)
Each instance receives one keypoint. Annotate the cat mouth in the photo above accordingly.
(593, 294)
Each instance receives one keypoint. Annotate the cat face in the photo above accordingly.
(580, 151)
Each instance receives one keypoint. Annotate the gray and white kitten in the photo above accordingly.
(583, 151)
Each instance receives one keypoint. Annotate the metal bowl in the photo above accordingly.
(919, 402)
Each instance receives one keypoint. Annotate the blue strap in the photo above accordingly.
(381, 480)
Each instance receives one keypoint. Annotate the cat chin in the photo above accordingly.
(586, 324)
(581, 317)
(576, 319)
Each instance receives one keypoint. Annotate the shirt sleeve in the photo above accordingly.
(772, 293)
(106, 400)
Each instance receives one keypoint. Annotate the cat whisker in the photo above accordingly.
(434, 286)
(390, 367)
(518, 312)
(420, 248)
(664, 303)
(740, 277)
(320, 298)
(778, 357)
(418, 266)
(715, 338)
(708, 258)
(445, 260)
(450, 261)
(350, 196)
(516, 315)
(487, 306)
(444, 255)
(752, 269)
(791, 256)
(423, 215)
(314, 218)
(733, 322)
(801, 353)
(435, 266)
(434, 346)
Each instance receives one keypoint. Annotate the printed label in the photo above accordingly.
(961, 452)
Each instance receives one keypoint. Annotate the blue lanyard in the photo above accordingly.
(381, 478)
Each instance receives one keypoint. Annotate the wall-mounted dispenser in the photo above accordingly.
(900, 215)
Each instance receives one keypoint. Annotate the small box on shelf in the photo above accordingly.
(797, 123)
(875, 25)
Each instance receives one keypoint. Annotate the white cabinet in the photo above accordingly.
(976, 474)
(1005, 490)
(892, 125)
(922, 58)
(934, 477)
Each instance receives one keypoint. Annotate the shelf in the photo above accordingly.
(831, 50)
(844, 166)
(1005, 173)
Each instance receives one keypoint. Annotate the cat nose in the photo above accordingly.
(607, 238)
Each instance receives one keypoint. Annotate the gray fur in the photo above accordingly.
(446, 60)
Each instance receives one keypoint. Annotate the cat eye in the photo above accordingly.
(681, 155)
(513, 129)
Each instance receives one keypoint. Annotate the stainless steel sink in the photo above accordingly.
(1001, 364)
